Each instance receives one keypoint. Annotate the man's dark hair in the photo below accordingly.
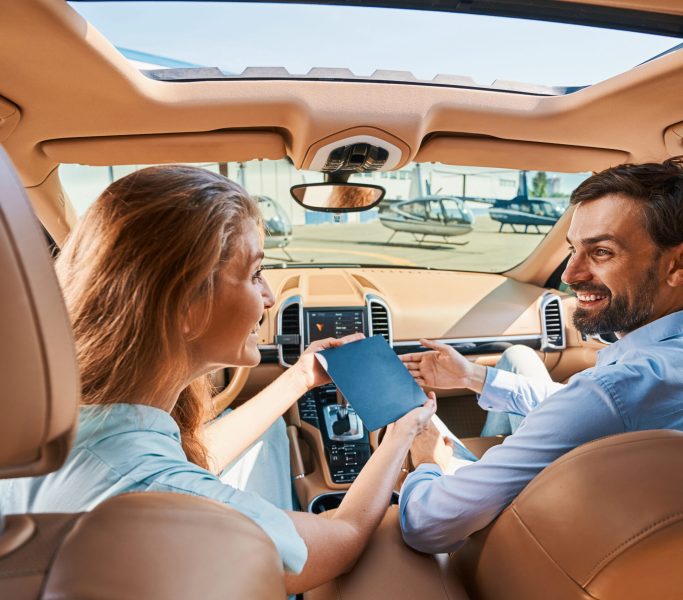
(657, 187)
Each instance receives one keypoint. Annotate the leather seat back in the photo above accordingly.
(603, 522)
(40, 387)
(165, 546)
(388, 568)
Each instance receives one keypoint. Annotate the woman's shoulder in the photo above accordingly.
(124, 435)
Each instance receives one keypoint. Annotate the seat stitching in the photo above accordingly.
(69, 526)
(635, 537)
(540, 546)
(566, 459)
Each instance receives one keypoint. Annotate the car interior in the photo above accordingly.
(601, 522)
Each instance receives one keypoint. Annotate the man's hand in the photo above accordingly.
(309, 367)
(431, 447)
(444, 368)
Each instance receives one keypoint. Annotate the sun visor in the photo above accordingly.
(218, 146)
(512, 154)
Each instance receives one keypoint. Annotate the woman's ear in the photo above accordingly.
(189, 320)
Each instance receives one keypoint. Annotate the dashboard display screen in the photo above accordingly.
(333, 323)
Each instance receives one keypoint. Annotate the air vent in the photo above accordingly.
(380, 320)
(552, 323)
(289, 335)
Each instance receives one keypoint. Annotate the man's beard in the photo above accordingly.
(620, 315)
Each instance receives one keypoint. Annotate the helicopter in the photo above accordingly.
(443, 216)
(524, 211)
(276, 223)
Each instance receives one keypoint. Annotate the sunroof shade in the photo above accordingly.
(423, 45)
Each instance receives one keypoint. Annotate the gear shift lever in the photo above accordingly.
(343, 424)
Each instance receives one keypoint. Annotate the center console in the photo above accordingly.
(345, 439)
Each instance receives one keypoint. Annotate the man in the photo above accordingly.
(626, 268)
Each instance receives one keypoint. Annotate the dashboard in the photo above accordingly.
(478, 314)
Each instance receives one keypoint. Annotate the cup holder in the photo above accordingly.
(331, 500)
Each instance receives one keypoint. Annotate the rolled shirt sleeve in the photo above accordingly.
(504, 391)
(438, 512)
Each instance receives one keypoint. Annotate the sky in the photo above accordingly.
(233, 36)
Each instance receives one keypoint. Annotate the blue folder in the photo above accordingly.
(373, 380)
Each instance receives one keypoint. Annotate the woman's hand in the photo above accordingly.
(413, 423)
(308, 366)
(443, 367)
(334, 544)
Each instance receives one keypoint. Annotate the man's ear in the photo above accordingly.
(675, 274)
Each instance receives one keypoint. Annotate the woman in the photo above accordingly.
(162, 282)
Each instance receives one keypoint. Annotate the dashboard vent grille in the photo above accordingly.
(290, 325)
(553, 323)
(380, 321)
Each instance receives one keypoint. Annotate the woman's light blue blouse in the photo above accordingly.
(135, 448)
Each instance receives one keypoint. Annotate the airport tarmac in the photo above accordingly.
(484, 249)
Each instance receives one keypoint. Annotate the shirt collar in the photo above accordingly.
(661, 329)
(126, 417)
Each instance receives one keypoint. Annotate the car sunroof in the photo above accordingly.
(213, 40)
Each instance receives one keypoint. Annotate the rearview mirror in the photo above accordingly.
(337, 197)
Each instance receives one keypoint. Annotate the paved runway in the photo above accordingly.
(366, 243)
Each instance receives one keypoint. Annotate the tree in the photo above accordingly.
(539, 185)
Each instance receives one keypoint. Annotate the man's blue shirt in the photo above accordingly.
(637, 384)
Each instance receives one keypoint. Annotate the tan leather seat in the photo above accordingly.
(390, 569)
(603, 522)
(134, 546)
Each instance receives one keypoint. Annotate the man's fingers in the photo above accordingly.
(433, 345)
(412, 366)
(411, 357)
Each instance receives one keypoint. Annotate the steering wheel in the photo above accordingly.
(226, 397)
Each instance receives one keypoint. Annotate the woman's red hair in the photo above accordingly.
(148, 248)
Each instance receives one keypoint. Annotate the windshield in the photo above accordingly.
(403, 45)
(433, 216)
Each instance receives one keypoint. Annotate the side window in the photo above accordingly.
(435, 212)
(538, 208)
(451, 209)
(415, 209)
(268, 211)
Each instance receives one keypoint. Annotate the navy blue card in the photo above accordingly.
(373, 380)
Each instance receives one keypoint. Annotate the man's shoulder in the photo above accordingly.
(655, 365)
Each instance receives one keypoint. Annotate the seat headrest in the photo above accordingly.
(38, 369)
